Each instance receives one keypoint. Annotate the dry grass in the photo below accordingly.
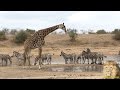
(56, 43)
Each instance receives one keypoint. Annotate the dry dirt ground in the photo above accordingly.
(54, 45)
(18, 72)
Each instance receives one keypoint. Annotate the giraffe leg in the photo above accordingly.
(29, 62)
(40, 60)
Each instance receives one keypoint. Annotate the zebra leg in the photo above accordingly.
(2, 62)
(88, 60)
(66, 61)
(84, 60)
(92, 61)
(95, 61)
(36, 60)
(50, 61)
(6, 62)
(77, 60)
(10, 61)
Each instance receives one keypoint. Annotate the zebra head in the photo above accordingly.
(62, 53)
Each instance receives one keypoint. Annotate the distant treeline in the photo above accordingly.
(31, 31)
(19, 36)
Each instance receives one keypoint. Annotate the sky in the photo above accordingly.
(80, 20)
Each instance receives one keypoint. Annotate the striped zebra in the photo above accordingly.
(19, 56)
(46, 58)
(94, 56)
(5, 57)
(80, 58)
(71, 57)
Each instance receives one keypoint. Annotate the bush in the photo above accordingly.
(101, 32)
(115, 31)
(21, 36)
(117, 36)
(2, 35)
(13, 31)
(30, 31)
(72, 34)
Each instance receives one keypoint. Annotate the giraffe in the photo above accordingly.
(37, 41)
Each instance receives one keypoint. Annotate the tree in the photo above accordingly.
(101, 32)
(30, 31)
(13, 31)
(72, 34)
(115, 31)
(21, 36)
(5, 30)
(2, 36)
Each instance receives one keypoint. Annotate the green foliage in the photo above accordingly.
(101, 32)
(5, 30)
(13, 31)
(21, 36)
(117, 36)
(115, 31)
(72, 34)
(30, 31)
(2, 35)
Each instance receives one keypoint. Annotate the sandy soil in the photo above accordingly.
(18, 72)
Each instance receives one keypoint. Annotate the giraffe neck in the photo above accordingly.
(46, 31)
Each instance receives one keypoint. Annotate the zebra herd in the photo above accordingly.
(47, 57)
(82, 58)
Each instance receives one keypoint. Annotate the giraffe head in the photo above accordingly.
(62, 26)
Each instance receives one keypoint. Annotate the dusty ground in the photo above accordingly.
(18, 72)
(55, 44)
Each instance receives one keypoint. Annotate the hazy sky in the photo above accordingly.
(81, 20)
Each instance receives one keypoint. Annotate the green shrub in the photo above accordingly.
(101, 32)
(13, 31)
(115, 31)
(117, 36)
(30, 31)
(21, 36)
(72, 34)
(2, 35)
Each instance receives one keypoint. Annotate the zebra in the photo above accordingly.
(80, 57)
(19, 56)
(101, 58)
(71, 57)
(45, 58)
(96, 56)
(5, 57)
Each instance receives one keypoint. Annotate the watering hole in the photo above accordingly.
(75, 68)
(58, 65)
(79, 67)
